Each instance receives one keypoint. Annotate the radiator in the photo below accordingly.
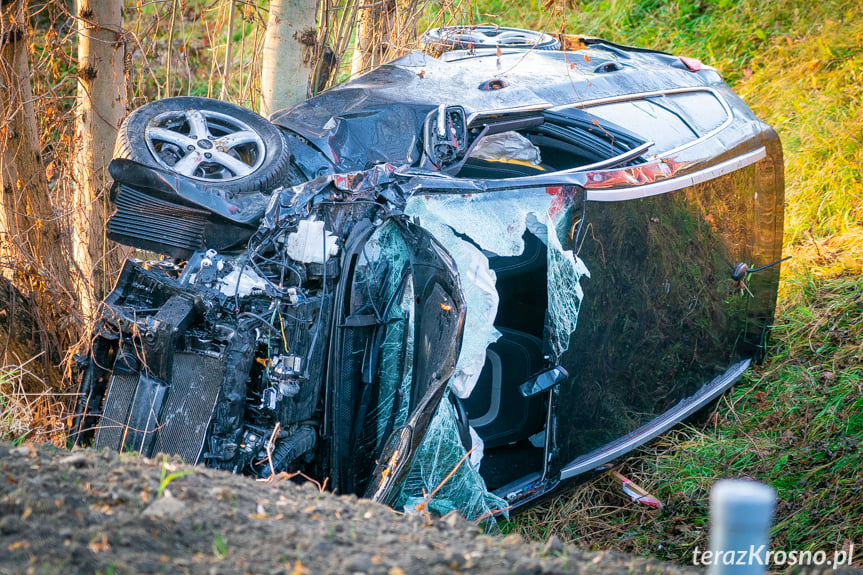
(146, 416)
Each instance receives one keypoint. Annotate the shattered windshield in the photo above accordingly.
(443, 479)
(383, 299)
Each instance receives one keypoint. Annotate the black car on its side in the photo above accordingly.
(519, 260)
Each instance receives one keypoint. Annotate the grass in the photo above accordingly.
(796, 422)
(220, 545)
(166, 478)
(26, 415)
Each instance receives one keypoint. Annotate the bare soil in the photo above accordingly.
(102, 512)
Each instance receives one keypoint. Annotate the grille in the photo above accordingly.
(189, 406)
(145, 222)
(112, 426)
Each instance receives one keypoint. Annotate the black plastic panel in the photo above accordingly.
(146, 222)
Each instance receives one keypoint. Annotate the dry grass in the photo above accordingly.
(26, 415)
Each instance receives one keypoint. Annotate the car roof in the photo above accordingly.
(378, 116)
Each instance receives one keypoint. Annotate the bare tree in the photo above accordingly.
(101, 106)
(289, 54)
(385, 28)
(372, 35)
(30, 229)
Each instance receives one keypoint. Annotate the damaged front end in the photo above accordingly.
(226, 360)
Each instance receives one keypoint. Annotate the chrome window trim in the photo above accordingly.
(611, 162)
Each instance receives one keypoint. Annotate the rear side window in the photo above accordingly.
(670, 121)
(702, 110)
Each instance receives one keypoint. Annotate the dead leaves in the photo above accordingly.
(99, 545)
(18, 545)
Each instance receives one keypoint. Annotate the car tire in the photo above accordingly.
(207, 140)
(439, 40)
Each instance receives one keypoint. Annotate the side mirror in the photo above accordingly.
(445, 135)
(543, 381)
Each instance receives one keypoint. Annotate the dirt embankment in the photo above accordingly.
(89, 512)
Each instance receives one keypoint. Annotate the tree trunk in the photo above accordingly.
(21, 337)
(31, 233)
(375, 24)
(289, 54)
(101, 107)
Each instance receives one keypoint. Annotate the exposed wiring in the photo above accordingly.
(284, 339)
(257, 317)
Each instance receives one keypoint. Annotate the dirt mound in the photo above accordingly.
(92, 512)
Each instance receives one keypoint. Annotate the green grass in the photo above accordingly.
(220, 545)
(796, 422)
(166, 478)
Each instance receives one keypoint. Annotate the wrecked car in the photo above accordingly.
(454, 282)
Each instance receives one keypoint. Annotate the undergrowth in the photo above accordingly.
(26, 415)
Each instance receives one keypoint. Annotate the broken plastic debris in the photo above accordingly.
(692, 64)
(636, 493)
